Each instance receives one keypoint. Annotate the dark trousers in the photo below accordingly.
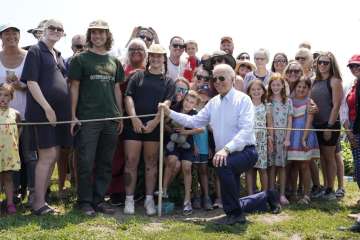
(356, 159)
(96, 143)
(258, 202)
(26, 176)
(229, 175)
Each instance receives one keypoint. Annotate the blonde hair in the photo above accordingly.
(8, 88)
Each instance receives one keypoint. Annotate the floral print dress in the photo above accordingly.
(9, 151)
(261, 136)
(280, 113)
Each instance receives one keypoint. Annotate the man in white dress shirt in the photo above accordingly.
(231, 116)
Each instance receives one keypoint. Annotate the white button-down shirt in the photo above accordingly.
(231, 118)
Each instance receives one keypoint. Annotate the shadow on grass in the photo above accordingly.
(44, 222)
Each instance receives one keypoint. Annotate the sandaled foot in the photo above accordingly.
(44, 210)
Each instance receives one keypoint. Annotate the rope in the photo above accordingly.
(153, 115)
(78, 121)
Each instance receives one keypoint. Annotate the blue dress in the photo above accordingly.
(296, 151)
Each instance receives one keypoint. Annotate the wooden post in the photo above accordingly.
(161, 158)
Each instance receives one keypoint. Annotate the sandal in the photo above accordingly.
(44, 210)
(340, 193)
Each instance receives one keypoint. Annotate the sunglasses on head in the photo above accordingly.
(200, 77)
(244, 58)
(53, 28)
(218, 59)
(143, 37)
(181, 90)
(220, 78)
(354, 66)
(300, 58)
(325, 63)
(136, 50)
(293, 71)
(180, 46)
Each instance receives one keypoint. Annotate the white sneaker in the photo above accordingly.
(150, 207)
(129, 207)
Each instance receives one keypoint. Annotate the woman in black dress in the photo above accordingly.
(48, 100)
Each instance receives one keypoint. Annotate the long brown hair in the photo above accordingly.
(334, 67)
(259, 82)
(274, 77)
(108, 43)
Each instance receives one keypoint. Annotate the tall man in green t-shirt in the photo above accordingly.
(95, 92)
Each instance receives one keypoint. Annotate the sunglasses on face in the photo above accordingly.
(217, 60)
(136, 50)
(293, 71)
(280, 61)
(79, 46)
(200, 77)
(143, 37)
(244, 58)
(180, 46)
(181, 90)
(325, 63)
(354, 66)
(300, 58)
(53, 29)
(220, 78)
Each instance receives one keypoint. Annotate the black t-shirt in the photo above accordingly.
(148, 90)
(41, 67)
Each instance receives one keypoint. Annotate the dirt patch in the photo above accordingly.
(295, 237)
(272, 218)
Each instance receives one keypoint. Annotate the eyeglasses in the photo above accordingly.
(79, 46)
(199, 77)
(180, 46)
(293, 71)
(300, 58)
(136, 50)
(243, 58)
(325, 63)
(143, 37)
(220, 78)
(280, 61)
(218, 59)
(181, 90)
(53, 29)
(354, 66)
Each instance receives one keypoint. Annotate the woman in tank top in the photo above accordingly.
(12, 59)
(327, 93)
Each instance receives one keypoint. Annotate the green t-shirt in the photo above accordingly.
(97, 75)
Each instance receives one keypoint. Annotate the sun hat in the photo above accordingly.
(99, 24)
(246, 63)
(156, 48)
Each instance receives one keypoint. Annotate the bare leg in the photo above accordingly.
(330, 164)
(8, 187)
(264, 179)
(151, 158)
(314, 173)
(272, 177)
(282, 180)
(132, 157)
(305, 175)
(43, 172)
(204, 181)
(323, 167)
(62, 164)
(340, 170)
(186, 169)
(172, 167)
(249, 181)
(294, 177)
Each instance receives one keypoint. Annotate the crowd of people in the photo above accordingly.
(225, 116)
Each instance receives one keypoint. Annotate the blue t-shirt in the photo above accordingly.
(201, 142)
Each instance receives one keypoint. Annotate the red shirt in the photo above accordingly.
(351, 101)
(128, 71)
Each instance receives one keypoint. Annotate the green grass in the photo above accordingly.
(320, 220)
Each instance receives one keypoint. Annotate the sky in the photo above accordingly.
(277, 25)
